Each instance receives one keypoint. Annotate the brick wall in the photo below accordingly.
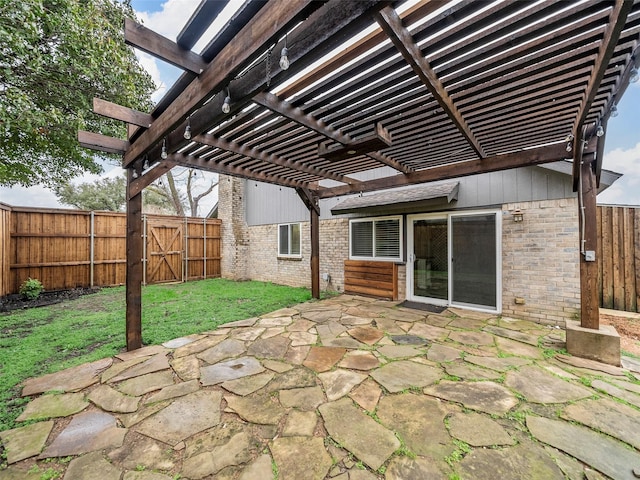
(264, 264)
(235, 233)
(540, 261)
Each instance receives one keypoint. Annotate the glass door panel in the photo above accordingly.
(430, 260)
(473, 260)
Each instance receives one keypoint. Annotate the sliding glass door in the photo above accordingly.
(454, 260)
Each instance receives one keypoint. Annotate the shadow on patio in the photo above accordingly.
(348, 388)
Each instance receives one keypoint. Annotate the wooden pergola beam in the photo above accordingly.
(190, 161)
(102, 143)
(285, 109)
(523, 158)
(255, 36)
(124, 114)
(161, 47)
(391, 23)
(149, 176)
(618, 18)
(238, 149)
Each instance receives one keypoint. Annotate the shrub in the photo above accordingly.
(31, 288)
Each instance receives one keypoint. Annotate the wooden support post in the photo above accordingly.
(134, 267)
(310, 199)
(589, 302)
(315, 253)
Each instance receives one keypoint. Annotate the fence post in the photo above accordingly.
(92, 236)
(185, 268)
(144, 249)
(204, 248)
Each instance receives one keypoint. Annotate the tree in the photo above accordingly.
(172, 195)
(103, 194)
(55, 56)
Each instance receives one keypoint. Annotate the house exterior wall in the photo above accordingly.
(540, 261)
(540, 267)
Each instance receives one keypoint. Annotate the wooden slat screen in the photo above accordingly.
(619, 257)
(376, 279)
(72, 248)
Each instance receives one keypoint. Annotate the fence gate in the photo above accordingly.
(165, 252)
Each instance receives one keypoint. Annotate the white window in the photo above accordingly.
(376, 239)
(289, 240)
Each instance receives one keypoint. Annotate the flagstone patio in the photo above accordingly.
(348, 388)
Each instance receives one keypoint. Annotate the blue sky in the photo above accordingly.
(622, 147)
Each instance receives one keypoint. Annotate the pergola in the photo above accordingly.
(436, 90)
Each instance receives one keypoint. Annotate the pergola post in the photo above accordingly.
(134, 267)
(310, 199)
(589, 302)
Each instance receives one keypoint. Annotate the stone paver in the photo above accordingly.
(52, 406)
(92, 467)
(488, 397)
(230, 370)
(87, 432)
(404, 374)
(419, 422)
(499, 364)
(110, 400)
(595, 449)
(154, 364)
(359, 388)
(478, 430)
(404, 468)
(25, 442)
(321, 359)
(613, 418)
(527, 460)
(337, 383)
(539, 386)
(68, 380)
(150, 382)
(366, 395)
(183, 418)
(360, 434)
(223, 350)
(289, 451)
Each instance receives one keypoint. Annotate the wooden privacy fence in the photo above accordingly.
(619, 257)
(72, 248)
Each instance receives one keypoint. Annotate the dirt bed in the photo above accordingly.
(17, 302)
(628, 328)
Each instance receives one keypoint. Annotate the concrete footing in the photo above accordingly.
(602, 345)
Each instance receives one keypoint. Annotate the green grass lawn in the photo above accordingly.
(47, 339)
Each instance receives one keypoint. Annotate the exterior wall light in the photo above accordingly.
(518, 215)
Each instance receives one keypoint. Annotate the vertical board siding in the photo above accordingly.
(619, 257)
(55, 247)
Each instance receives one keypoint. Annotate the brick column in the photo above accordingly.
(235, 233)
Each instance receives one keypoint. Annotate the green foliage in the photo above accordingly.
(55, 57)
(38, 341)
(104, 194)
(31, 288)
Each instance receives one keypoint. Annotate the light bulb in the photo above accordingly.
(226, 106)
(569, 147)
(187, 133)
(145, 165)
(164, 153)
(614, 111)
(634, 75)
(599, 131)
(284, 58)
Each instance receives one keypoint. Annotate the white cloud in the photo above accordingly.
(626, 190)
